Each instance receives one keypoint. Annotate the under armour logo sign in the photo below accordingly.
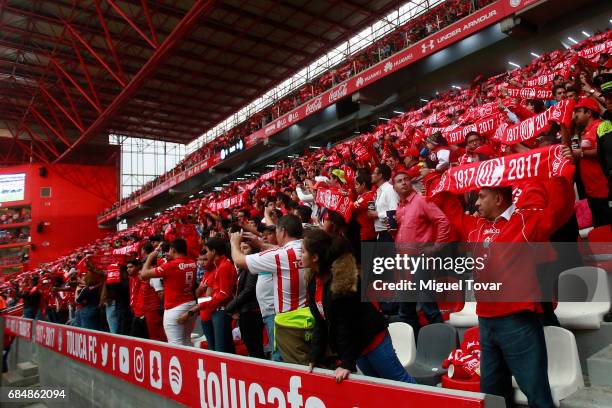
(425, 46)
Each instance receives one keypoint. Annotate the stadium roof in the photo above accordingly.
(72, 72)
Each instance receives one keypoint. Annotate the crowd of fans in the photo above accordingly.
(14, 216)
(411, 32)
(14, 235)
(269, 257)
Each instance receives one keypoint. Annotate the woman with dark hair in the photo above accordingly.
(219, 281)
(354, 330)
(245, 309)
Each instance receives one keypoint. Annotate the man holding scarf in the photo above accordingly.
(511, 335)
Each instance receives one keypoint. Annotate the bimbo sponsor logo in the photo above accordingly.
(338, 93)
(314, 105)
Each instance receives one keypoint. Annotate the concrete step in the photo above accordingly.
(15, 379)
(591, 397)
(27, 369)
(600, 367)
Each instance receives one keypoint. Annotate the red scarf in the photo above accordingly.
(538, 164)
(454, 134)
(535, 125)
(334, 200)
(530, 93)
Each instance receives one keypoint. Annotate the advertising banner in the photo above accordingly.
(198, 378)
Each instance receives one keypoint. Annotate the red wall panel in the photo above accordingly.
(68, 216)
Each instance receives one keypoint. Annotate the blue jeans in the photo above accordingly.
(514, 345)
(32, 312)
(269, 323)
(112, 317)
(382, 362)
(90, 317)
(209, 332)
(221, 337)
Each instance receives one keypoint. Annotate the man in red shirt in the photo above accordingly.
(363, 186)
(147, 322)
(179, 284)
(419, 224)
(586, 116)
(511, 335)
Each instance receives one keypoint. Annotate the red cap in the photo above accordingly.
(588, 103)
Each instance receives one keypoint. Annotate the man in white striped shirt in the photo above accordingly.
(285, 265)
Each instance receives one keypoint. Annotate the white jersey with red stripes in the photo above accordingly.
(285, 264)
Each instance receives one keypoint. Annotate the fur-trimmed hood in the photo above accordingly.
(345, 275)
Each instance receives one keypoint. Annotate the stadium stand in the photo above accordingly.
(267, 267)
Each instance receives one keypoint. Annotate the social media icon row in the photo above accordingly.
(175, 373)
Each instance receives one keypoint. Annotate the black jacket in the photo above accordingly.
(245, 300)
(604, 146)
(350, 325)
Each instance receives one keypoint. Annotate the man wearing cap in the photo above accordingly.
(586, 116)
(337, 179)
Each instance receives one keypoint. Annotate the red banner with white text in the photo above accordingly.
(538, 164)
(334, 200)
(534, 126)
(199, 378)
(18, 326)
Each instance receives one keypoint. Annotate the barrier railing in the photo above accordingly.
(196, 377)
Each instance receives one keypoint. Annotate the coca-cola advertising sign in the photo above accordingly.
(338, 93)
(314, 106)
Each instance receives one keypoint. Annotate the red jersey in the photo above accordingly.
(593, 178)
(360, 211)
(514, 225)
(179, 277)
(143, 297)
(222, 281)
